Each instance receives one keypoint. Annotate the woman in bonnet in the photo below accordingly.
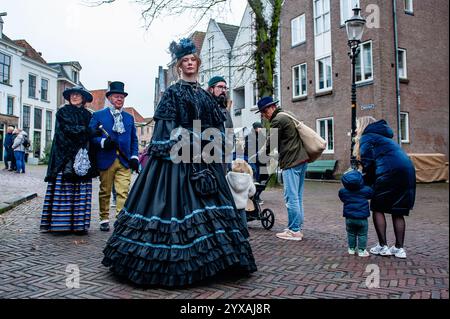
(180, 224)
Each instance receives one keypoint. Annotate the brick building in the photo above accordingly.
(316, 70)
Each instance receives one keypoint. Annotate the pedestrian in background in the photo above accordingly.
(9, 152)
(355, 196)
(391, 174)
(19, 147)
(293, 161)
(67, 204)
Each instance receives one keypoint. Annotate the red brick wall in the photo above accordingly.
(425, 97)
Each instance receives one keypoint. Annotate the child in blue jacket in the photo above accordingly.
(355, 196)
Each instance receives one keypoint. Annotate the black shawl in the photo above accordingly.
(71, 134)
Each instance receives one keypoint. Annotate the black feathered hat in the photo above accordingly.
(182, 48)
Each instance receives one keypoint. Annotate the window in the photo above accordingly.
(326, 131)
(347, 7)
(276, 93)
(32, 86)
(10, 106)
(26, 119)
(255, 93)
(37, 119)
(364, 66)
(409, 8)
(404, 127)
(323, 74)
(211, 55)
(298, 34)
(37, 144)
(44, 89)
(5, 68)
(321, 16)
(75, 77)
(48, 127)
(402, 71)
(299, 81)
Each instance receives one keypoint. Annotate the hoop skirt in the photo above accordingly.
(168, 235)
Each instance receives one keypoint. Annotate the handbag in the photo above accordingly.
(314, 144)
(81, 164)
(204, 181)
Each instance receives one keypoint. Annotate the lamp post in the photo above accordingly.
(355, 30)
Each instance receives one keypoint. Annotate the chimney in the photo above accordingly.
(2, 14)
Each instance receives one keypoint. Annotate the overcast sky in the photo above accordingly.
(109, 41)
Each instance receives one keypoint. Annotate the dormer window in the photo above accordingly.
(75, 77)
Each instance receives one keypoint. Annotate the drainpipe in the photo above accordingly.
(397, 78)
(20, 105)
(229, 70)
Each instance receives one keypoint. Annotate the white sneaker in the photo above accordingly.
(385, 251)
(351, 251)
(380, 250)
(363, 253)
(290, 235)
(398, 252)
(376, 250)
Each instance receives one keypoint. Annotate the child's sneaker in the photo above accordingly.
(398, 252)
(363, 253)
(351, 251)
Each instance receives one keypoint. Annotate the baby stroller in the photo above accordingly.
(254, 211)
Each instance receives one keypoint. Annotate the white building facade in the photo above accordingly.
(244, 91)
(39, 105)
(28, 94)
(216, 51)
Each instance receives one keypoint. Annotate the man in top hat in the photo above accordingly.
(293, 161)
(117, 150)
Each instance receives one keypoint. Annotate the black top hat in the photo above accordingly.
(265, 102)
(116, 88)
(78, 89)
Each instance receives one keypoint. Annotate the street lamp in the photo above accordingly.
(355, 30)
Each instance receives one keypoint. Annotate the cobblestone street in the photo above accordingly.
(34, 264)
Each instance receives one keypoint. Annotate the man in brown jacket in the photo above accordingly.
(293, 161)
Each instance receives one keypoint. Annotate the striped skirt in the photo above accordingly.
(67, 206)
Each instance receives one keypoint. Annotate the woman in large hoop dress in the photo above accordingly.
(167, 234)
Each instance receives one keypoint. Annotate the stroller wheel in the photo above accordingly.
(267, 218)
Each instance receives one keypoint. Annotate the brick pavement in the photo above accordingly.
(34, 265)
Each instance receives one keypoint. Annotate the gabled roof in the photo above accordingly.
(8, 40)
(74, 64)
(229, 31)
(61, 72)
(197, 37)
(30, 51)
(138, 118)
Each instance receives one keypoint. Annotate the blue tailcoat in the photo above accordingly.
(128, 141)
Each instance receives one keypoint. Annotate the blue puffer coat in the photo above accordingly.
(355, 195)
(388, 169)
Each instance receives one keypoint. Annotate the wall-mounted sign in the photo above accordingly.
(367, 107)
